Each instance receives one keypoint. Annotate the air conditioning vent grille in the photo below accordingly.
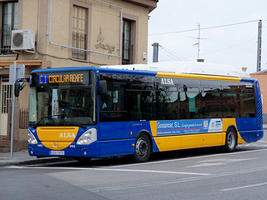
(18, 39)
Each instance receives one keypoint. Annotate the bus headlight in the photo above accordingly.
(87, 137)
(31, 138)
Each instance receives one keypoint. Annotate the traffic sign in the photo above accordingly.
(20, 73)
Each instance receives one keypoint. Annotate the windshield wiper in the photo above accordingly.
(75, 124)
(48, 116)
(70, 123)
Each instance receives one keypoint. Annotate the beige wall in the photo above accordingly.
(101, 17)
(34, 15)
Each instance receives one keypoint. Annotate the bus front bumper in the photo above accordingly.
(73, 150)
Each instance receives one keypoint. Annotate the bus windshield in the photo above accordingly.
(58, 102)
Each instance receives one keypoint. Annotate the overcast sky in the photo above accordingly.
(229, 31)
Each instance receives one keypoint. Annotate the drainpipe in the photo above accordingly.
(69, 47)
(155, 52)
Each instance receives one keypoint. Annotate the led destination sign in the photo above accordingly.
(63, 78)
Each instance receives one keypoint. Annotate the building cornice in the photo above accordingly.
(150, 4)
(21, 62)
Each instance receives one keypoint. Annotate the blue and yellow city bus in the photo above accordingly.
(88, 112)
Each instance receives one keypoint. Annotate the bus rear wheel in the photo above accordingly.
(231, 140)
(142, 148)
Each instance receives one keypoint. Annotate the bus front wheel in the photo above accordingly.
(231, 140)
(142, 148)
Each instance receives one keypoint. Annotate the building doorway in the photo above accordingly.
(6, 96)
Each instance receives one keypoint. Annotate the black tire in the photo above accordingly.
(142, 148)
(230, 140)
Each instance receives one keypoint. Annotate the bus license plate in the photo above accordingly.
(57, 153)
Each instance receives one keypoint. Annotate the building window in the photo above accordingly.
(10, 22)
(126, 51)
(79, 32)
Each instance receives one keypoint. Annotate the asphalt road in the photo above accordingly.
(200, 174)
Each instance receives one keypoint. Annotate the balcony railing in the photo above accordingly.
(6, 40)
(79, 41)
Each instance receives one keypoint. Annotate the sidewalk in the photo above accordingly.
(22, 157)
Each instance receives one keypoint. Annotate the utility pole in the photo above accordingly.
(155, 52)
(259, 46)
(198, 51)
(16, 74)
(198, 45)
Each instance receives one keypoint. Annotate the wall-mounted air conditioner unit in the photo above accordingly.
(23, 40)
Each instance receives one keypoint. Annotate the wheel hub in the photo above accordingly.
(230, 140)
(141, 147)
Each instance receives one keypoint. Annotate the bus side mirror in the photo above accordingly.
(17, 89)
(102, 87)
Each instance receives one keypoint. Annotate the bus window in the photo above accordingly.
(190, 103)
(211, 103)
(141, 104)
(247, 100)
(134, 103)
(112, 105)
(247, 105)
(229, 106)
(230, 101)
(167, 103)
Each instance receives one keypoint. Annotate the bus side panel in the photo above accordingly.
(246, 124)
(247, 128)
(114, 138)
(139, 126)
(114, 148)
(192, 141)
(113, 130)
(213, 139)
(168, 143)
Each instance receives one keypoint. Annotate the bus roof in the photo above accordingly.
(185, 68)
(61, 69)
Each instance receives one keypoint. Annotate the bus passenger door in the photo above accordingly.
(114, 130)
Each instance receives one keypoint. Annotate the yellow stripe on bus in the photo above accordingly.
(196, 76)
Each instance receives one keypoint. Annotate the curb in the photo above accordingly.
(33, 161)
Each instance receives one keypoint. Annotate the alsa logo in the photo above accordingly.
(67, 135)
(167, 81)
